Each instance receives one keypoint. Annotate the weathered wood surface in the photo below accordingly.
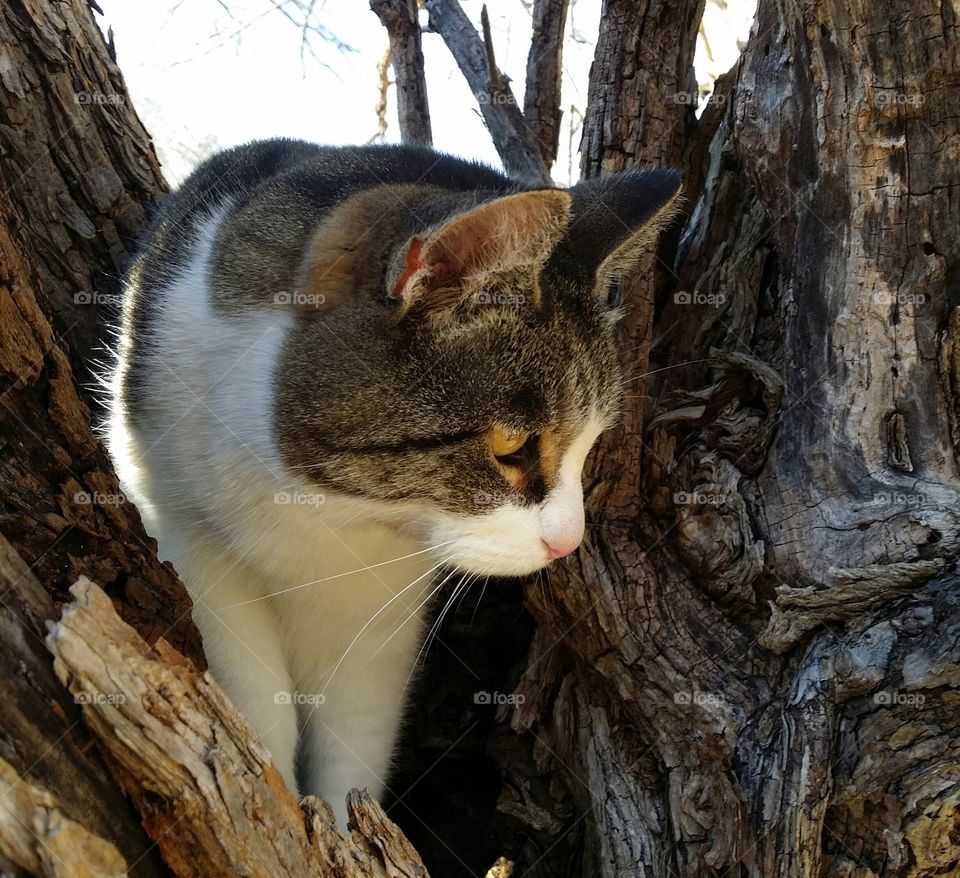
(400, 19)
(36, 837)
(76, 161)
(514, 140)
(209, 794)
(60, 504)
(43, 738)
(752, 665)
(541, 97)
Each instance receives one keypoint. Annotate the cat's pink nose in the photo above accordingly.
(559, 551)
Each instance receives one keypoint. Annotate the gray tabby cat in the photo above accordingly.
(342, 371)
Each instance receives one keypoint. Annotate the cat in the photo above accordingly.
(344, 375)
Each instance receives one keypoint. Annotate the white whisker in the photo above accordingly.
(274, 594)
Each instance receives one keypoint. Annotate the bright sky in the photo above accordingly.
(207, 74)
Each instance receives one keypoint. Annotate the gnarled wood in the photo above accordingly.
(207, 791)
(399, 18)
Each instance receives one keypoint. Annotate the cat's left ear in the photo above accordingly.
(616, 219)
(434, 272)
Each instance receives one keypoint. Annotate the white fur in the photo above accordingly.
(299, 596)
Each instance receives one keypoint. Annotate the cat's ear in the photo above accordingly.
(617, 218)
(436, 271)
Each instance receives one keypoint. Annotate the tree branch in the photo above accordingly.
(541, 98)
(399, 17)
(511, 136)
(207, 791)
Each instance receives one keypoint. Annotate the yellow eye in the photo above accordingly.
(503, 442)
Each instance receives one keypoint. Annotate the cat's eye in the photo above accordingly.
(615, 293)
(504, 443)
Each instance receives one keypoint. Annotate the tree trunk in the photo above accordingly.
(751, 667)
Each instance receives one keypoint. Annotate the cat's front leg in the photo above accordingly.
(349, 731)
(244, 645)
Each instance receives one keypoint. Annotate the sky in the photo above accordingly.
(208, 74)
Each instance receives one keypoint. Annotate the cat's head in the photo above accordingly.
(460, 389)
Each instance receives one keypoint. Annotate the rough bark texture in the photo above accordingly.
(751, 667)
(80, 176)
(399, 17)
(35, 836)
(514, 140)
(209, 794)
(541, 97)
(76, 161)
(44, 741)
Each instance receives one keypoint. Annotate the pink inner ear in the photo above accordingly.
(411, 267)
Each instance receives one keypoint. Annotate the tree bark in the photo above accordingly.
(209, 794)
(541, 97)
(514, 140)
(399, 18)
(751, 666)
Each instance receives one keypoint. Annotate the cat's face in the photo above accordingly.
(463, 406)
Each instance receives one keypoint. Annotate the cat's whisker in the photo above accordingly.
(664, 369)
(274, 594)
(483, 591)
(412, 615)
(373, 619)
(434, 632)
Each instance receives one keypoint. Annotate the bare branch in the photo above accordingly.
(541, 98)
(209, 794)
(399, 17)
(513, 139)
(39, 838)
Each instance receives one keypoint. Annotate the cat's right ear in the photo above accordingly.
(617, 218)
(434, 272)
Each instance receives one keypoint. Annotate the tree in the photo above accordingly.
(751, 666)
